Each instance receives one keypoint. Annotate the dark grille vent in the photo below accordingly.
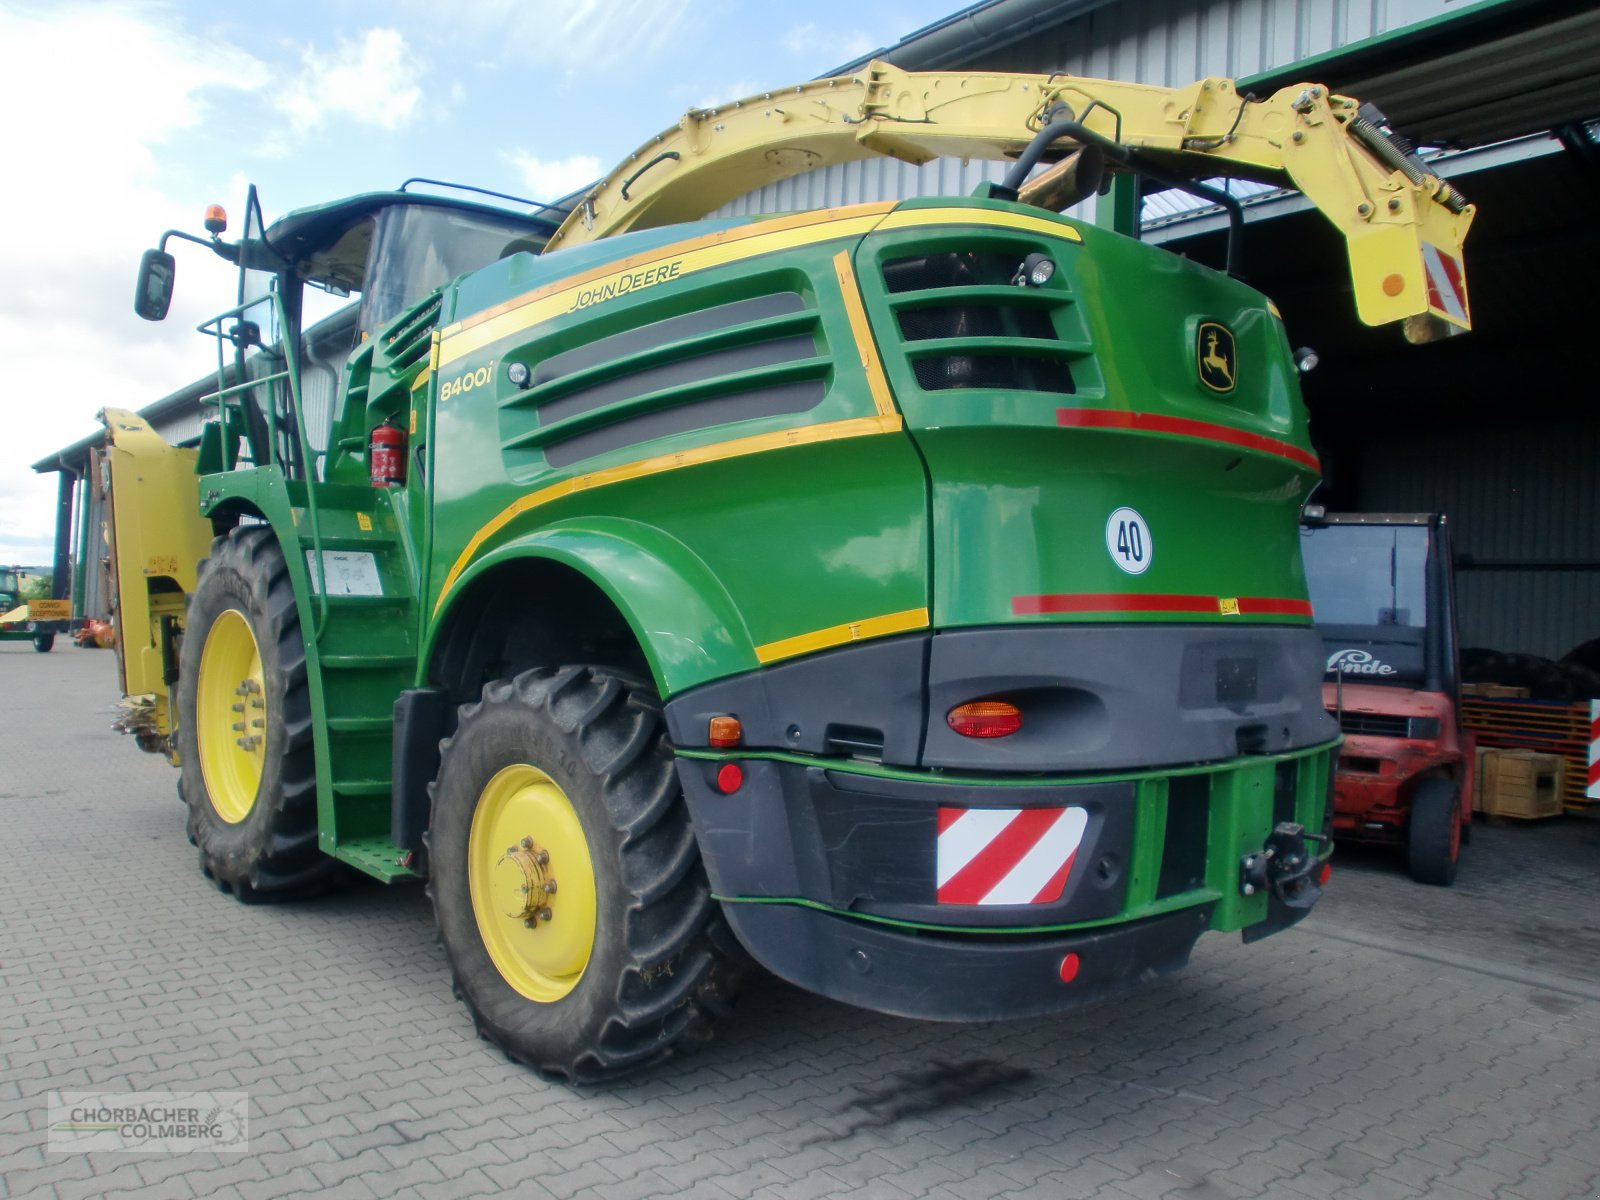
(960, 269)
(951, 321)
(1004, 371)
(965, 326)
(1374, 724)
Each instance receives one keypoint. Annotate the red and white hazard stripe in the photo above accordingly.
(1006, 855)
(1594, 750)
(1447, 286)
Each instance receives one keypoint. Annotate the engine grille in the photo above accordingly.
(965, 326)
(1361, 724)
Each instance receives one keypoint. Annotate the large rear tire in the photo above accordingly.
(566, 881)
(244, 725)
(1433, 842)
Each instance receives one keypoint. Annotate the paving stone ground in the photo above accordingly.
(1403, 1042)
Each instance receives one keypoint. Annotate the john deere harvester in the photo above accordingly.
(905, 596)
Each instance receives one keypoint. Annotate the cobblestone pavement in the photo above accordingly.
(1403, 1042)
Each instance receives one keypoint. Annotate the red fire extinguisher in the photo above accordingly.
(386, 456)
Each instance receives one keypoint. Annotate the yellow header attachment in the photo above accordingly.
(1404, 227)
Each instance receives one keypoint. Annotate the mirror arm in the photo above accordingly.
(227, 250)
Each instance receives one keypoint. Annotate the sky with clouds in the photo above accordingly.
(127, 117)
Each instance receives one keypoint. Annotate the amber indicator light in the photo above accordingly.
(724, 732)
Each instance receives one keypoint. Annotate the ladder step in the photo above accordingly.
(362, 787)
(361, 724)
(367, 662)
(376, 543)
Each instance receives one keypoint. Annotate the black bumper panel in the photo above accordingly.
(867, 844)
(1120, 697)
(938, 977)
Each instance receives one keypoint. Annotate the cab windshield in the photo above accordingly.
(422, 247)
(8, 583)
(1367, 575)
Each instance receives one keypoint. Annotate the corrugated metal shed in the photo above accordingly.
(1524, 507)
(1165, 42)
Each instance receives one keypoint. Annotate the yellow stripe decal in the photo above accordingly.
(421, 381)
(881, 400)
(838, 635)
(911, 218)
(713, 250)
(803, 435)
(655, 266)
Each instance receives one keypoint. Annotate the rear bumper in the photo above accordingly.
(940, 977)
(851, 881)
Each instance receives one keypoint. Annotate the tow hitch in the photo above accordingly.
(1288, 865)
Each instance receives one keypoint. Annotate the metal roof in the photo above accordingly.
(1486, 73)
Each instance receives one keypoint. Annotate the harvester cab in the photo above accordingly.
(1382, 593)
(391, 248)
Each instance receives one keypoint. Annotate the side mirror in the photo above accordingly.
(153, 296)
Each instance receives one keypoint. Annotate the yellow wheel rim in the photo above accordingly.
(231, 716)
(532, 883)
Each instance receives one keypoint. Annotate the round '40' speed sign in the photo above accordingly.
(1128, 541)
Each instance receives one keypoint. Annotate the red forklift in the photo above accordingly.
(1382, 593)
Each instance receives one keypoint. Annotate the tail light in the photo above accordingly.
(985, 719)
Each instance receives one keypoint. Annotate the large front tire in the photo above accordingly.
(244, 725)
(566, 881)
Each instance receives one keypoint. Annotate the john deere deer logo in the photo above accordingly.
(1214, 356)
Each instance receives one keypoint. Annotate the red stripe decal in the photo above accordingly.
(1051, 891)
(1274, 606)
(949, 816)
(1097, 602)
(994, 862)
(1102, 418)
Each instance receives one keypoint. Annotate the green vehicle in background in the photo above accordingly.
(905, 596)
(21, 627)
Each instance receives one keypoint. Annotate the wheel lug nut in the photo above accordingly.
(549, 887)
(527, 843)
(542, 858)
(544, 914)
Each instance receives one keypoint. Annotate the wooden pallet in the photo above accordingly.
(1546, 726)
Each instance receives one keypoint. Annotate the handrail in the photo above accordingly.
(291, 372)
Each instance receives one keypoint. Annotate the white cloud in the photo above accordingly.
(577, 35)
(551, 179)
(97, 94)
(370, 80)
(828, 48)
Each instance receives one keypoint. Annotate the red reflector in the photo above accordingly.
(1069, 968)
(1325, 874)
(730, 778)
(985, 719)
